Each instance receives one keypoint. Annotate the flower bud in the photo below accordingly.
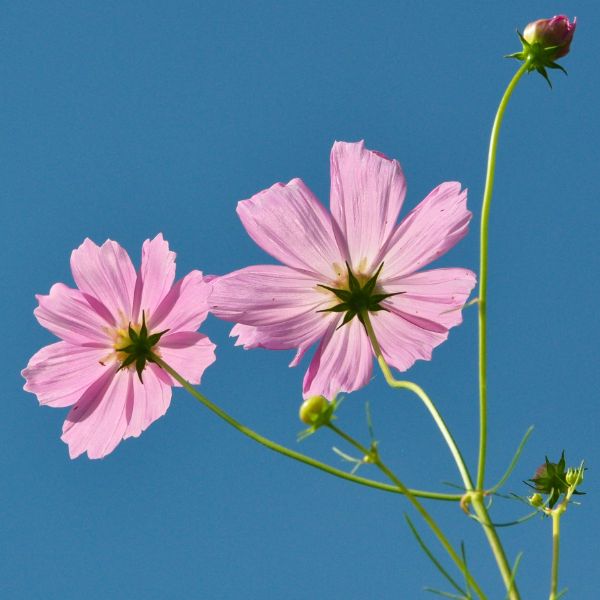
(549, 478)
(553, 34)
(574, 477)
(313, 410)
(544, 41)
(536, 500)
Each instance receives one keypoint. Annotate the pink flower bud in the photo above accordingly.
(555, 32)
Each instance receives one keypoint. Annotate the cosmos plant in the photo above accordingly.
(353, 282)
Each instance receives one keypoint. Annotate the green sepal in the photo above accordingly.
(348, 317)
(140, 363)
(353, 283)
(129, 360)
(155, 337)
(133, 336)
(143, 328)
(127, 349)
(554, 65)
(343, 307)
(341, 294)
(542, 71)
(525, 43)
(377, 298)
(370, 285)
(377, 308)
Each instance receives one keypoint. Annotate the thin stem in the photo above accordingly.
(418, 390)
(556, 515)
(483, 272)
(374, 457)
(476, 497)
(292, 453)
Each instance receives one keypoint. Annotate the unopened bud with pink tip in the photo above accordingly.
(544, 41)
(555, 34)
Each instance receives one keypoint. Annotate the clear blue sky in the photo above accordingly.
(125, 119)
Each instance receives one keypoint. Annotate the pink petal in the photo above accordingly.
(367, 191)
(155, 277)
(185, 307)
(70, 315)
(431, 299)
(289, 223)
(403, 341)
(147, 402)
(279, 303)
(98, 421)
(189, 353)
(59, 373)
(107, 274)
(427, 232)
(342, 363)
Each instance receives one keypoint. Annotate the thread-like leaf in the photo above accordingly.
(433, 559)
(513, 574)
(514, 461)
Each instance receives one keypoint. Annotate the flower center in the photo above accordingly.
(136, 345)
(359, 297)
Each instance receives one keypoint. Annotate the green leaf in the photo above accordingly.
(515, 459)
(463, 553)
(513, 574)
(433, 559)
(444, 594)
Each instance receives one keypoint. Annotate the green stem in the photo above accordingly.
(556, 515)
(476, 497)
(483, 272)
(418, 390)
(297, 455)
(374, 457)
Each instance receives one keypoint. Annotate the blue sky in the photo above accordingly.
(124, 119)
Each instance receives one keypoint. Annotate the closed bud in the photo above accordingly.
(554, 35)
(549, 478)
(574, 477)
(313, 410)
(544, 41)
(536, 500)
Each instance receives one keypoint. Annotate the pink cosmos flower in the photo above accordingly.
(337, 265)
(109, 329)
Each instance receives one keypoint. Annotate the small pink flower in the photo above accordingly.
(109, 327)
(355, 259)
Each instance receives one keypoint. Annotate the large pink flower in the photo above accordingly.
(308, 299)
(109, 327)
